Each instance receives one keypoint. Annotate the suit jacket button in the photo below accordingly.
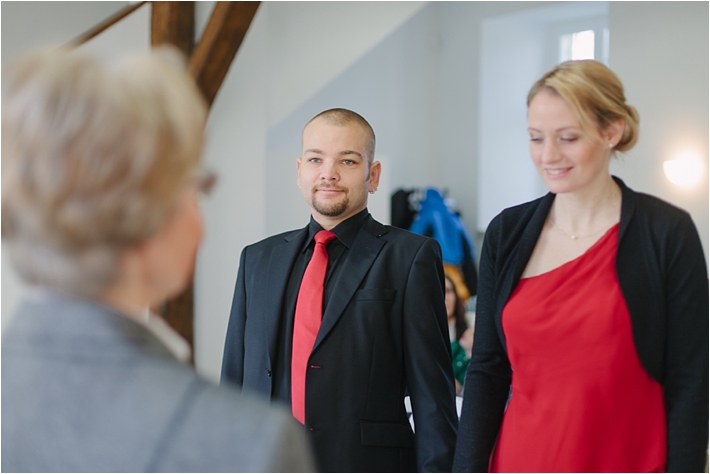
(268, 372)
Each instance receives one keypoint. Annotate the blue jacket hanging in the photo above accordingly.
(436, 220)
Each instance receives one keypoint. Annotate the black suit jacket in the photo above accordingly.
(383, 334)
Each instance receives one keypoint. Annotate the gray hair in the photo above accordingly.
(94, 154)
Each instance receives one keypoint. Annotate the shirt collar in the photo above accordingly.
(346, 231)
(171, 339)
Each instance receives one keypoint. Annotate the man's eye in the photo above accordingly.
(314, 160)
(348, 162)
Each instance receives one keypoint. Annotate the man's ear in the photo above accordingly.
(298, 171)
(375, 170)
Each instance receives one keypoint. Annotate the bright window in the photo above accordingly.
(575, 46)
(585, 44)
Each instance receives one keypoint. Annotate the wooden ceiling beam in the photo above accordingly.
(223, 35)
(173, 23)
(104, 25)
(209, 61)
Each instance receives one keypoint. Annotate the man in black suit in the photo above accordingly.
(383, 333)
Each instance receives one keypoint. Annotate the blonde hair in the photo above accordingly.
(94, 154)
(596, 95)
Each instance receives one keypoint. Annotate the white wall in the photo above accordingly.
(413, 70)
(516, 48)
(310, 43)
(27, 27)
(40, 24)
(292, 50)
(513, 51)
(410, 70)
(271, 74)
(660, 52)
(419, 88)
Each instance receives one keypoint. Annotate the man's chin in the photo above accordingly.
(332, 210)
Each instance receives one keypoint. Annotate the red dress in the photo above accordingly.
(581, 401)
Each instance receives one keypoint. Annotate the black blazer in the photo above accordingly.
(384, 332)
(663, 277)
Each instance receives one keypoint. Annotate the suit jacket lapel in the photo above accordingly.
(360, 258)
(278, 272)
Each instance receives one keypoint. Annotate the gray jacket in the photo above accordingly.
(87, 389)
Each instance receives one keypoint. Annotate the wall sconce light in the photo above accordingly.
(685, 170)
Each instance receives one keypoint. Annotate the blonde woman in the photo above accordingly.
(592, 314)
(100, 216)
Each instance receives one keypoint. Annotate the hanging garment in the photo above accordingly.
(435, 219)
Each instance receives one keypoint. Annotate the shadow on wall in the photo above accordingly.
(397, 87)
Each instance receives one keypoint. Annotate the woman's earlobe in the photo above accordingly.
(617, 129)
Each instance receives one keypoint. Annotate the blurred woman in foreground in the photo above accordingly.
(100, 216)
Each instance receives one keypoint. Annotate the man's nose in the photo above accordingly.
(329, 172)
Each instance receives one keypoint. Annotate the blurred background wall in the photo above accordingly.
(444, 86)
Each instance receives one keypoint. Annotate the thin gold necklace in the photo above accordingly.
(573, 236)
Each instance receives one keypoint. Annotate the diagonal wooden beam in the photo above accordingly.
(173, 23)
(104, 25)
(223, 35)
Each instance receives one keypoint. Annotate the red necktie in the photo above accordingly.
(309, 313)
